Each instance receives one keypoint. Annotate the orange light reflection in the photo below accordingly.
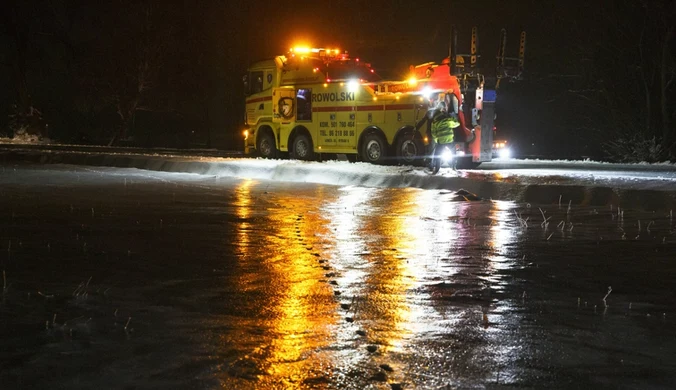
(302, 310)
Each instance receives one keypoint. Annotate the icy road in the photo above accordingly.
(255, 274)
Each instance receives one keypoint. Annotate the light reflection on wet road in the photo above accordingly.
(259, 285)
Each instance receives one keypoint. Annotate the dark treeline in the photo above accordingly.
(602, 78)
(600, 75)
(126, 72)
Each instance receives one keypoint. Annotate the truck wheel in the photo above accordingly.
(409, 150)
(266, 145)
(302, 148)
(374, 149)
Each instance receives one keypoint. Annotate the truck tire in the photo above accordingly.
(409, 150)
(374, 149)
(301, 148)
(265, 145)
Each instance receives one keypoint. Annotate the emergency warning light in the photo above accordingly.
(321, 52)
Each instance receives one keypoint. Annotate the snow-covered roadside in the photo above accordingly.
(580, 164)
(344, 173)
(502, 172)
(25, 139)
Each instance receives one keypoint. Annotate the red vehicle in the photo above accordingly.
(475, 141)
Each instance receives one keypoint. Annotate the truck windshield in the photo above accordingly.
(253, 82)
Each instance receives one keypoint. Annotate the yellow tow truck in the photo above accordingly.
(316, 101)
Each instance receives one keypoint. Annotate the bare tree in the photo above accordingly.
(667, 26)
(24, 118)
(626, 76)
(118, 69)
(135, 78)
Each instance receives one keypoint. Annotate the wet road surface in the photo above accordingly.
(120, 278)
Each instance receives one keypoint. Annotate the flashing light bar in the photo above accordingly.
(314, 50)
(300, 50)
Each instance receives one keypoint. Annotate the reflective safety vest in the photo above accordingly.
(442, 128)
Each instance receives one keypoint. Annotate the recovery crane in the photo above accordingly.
(475, 91)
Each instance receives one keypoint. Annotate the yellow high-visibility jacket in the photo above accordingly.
(442, 127)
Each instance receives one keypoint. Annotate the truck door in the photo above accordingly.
(283, 105)
(345, 131)
(326, 132)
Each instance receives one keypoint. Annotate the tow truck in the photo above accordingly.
(314, 102)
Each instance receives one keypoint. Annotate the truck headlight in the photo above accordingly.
(505, 153)
(446, 156)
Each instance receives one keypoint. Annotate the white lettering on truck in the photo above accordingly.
(333, 97)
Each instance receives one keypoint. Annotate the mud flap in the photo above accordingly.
(485, 137)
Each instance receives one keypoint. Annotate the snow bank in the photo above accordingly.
(496, 178)
(24, 139)
(331, 172)
(582, 164)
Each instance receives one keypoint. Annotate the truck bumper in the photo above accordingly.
(249, 138)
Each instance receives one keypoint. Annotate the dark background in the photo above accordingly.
(599, 75)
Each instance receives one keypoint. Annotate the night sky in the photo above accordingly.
(591, 68)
